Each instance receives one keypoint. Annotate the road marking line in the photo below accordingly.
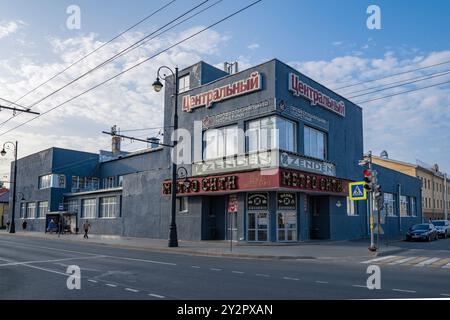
(132, 290)
(262, 275)
(401, 260)
(239, 272)
(195, 267)
(289, 278)
(94, 281)
(426, 262)
(47, 261)
(380, 259)
(111, 285)
(156, 296)
(440, 262)
(215, 269)
(359, 286)
(401, 290)
(324, 282)
(143, 260)
(445, 294)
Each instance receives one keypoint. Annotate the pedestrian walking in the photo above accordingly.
(24, 225)
(60, 226)
(7, 225)
(86, 227)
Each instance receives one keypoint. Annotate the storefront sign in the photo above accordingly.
(282, 180)
(250, 111)
(301, 89)
(298, 113)
(232, 203)
(312, 182)
(209, 184)
(265, 159)
(287, 201)
(293, 161)
(235, 89)
(257, 201)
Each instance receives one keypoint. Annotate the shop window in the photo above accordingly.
(23, 209)
(219, 143)
(31, 210)
(183, 83)
(271, 133)
(72, 206)
(315, 143)
(412, 201)
(88, 208)
(403, 206)
(42, 209)
(182, 204)
(108, 207)
(389, 201)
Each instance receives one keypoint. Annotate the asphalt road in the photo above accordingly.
(36, 269)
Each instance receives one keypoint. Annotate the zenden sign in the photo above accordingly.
(357, 191)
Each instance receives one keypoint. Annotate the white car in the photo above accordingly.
(443, 228)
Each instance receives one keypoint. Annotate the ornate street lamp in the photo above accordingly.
(157, 86)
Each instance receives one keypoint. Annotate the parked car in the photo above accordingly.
(422, 231)
(442, 227)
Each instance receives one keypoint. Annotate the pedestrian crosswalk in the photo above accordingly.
(419, 262)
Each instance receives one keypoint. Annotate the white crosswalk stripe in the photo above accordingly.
(379, 259)
(434, 262)
(427, 262)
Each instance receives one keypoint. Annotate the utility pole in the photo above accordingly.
(445, 197)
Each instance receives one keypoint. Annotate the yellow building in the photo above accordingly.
(435, 185)
(4, 205)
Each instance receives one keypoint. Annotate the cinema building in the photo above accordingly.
(267, 157)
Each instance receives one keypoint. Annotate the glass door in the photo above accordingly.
(232, 226)
(258, 226)
(287, 226)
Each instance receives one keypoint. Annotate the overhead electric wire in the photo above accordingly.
(399, 81)
(392, 75)
(90, 53)
(403, 92)
(136, 65)
(114, 56)
(144, 129)
(13, 103)
(400, 85)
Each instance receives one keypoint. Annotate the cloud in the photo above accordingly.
(9, 27)
(128, 101)
(253, 46)
(408, 126)
(337, 43)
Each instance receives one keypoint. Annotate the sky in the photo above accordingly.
(325, 39)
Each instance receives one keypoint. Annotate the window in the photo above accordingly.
(120, 181)
(72, 206)
(45, 181)
(412, 201)
(23, 209)
(315, 143)
(108, 182)
(61, 180)
(182, 204)
(403, 206)
(183, 83)
(351, 207)
(88, 208)
(31, 210)
(222, 142)
(389, 201)
(42, 209)
(271, 133)
(108, 207)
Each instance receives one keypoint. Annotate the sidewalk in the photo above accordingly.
(342, 250)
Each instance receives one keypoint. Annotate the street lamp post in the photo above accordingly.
(9, 145)
(157, 86)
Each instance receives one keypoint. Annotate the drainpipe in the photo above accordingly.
(445, 197)
(399, 187)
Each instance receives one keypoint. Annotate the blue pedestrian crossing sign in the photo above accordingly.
(357, 191)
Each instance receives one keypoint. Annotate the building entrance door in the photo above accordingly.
(258, 226)
(319, 226)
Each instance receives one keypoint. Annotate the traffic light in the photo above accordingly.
(377, 191)
(368, 179)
